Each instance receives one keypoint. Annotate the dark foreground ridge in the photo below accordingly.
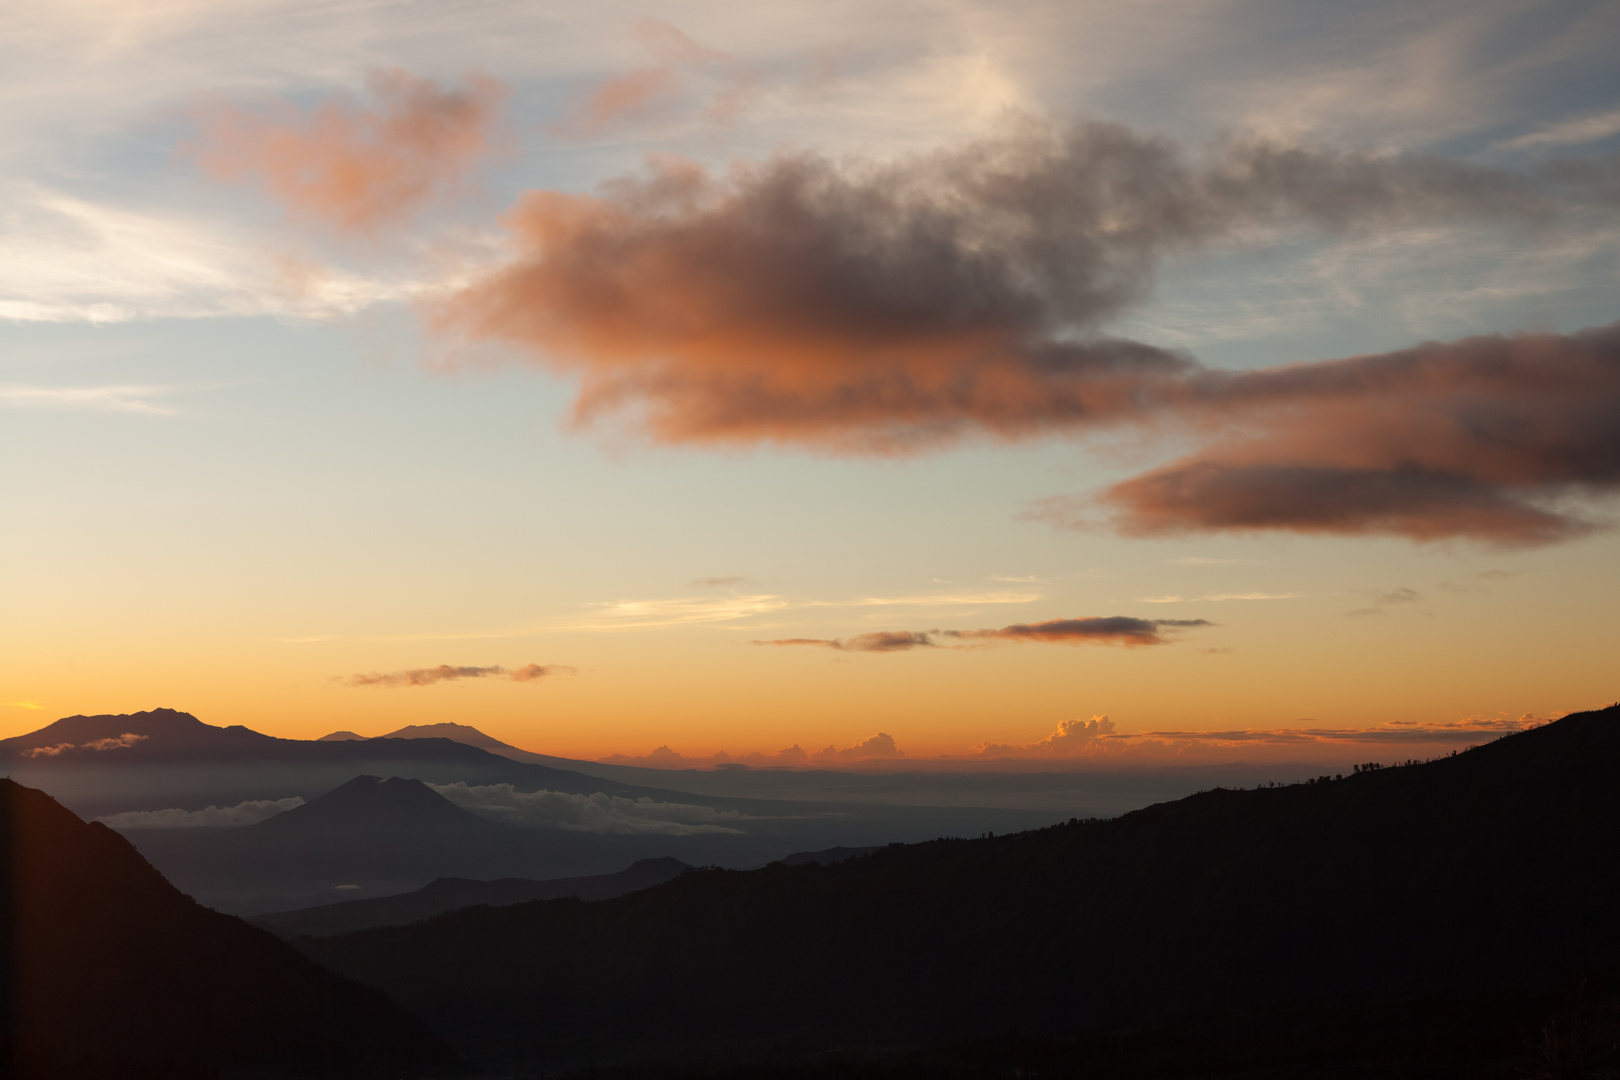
(109, 972)
(1477, 877)
(451, 893)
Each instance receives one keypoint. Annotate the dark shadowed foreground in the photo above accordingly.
(1465, 890)
(107, 972)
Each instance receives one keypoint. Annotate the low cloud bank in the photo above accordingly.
(597, 813)
(880, 747)
(128, 738)
(1071, 737)
(1104, 630)
(243, 813)
(449, 673)
(1097, 742)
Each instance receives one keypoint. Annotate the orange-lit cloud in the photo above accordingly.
(879, 746)
(658, 90)
(893, 307)
(1487, 438)
(447, 673)
(1105, 630)
(357, 167)
(864, 307)
(1071, 737)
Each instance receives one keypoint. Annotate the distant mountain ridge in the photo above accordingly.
(1491, 869)
(168, 737)
(111, 972)
(450, 894)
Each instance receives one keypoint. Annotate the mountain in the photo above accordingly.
(163, 758)
(1488, 872)
(172, 734)
(369, 835)
(111, 972)
(827, 857)
(471, 736)
(341, 736)
(449, 894)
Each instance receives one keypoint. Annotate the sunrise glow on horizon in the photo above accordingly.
(1043, 385)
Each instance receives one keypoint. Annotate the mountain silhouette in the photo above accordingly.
(110, 972)
(450, 894)
(1491, 870)
(471, 736)
(162, 758)
(370, 835)
(164, 733)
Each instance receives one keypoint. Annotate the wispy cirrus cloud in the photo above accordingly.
(1571, 132)
(451, 673)
(681, 611)
(1109, 630)
(680, 74)
(1176, 598)
(123, 399)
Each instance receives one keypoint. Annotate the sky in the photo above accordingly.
(1033, 382)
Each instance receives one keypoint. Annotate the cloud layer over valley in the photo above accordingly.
(598, 813)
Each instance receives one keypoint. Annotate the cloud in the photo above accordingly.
(1097, 742)
(879, 746)
(1496, 439)
(683, 611)
(665, 758)
(1069, 738)
(1384, 600)
(721, 582)
(356, 167)
(243, 813)
(877, 641)
(119, 742)
(1109, 630)
(889, 308)
(1571, 132)
(25, 705)
(597, 813)
(894, 308)
(448, 673)
(679, 71)
(131, 399)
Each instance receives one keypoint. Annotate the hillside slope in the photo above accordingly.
(450, 893)
(1491, 868)
(111, 972)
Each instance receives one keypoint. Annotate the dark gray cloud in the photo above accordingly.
(1107, 630)
(450, 673)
